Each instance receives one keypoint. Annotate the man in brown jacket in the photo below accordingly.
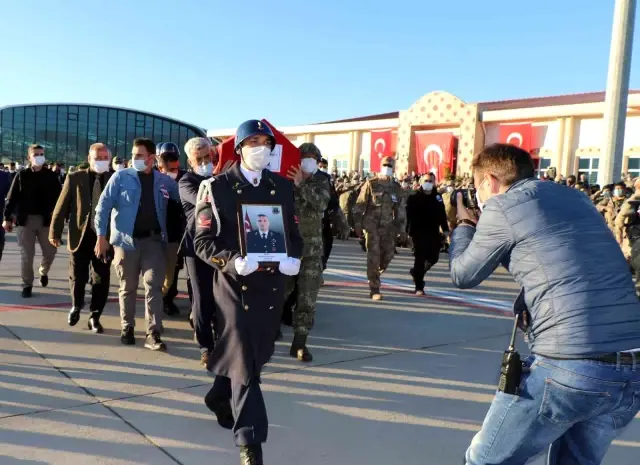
(77, 202)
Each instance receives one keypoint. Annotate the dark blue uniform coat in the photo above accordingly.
(249, 306)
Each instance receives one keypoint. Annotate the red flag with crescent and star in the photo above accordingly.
(519, 135)
(434, 153)
(380, 147)
(247, 223)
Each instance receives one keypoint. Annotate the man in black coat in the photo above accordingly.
(249, 298)
(201, 275)
(263, 240)
(425, 216)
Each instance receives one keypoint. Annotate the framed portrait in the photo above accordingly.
(263, 232)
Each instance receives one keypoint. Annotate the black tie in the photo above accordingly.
(264, 237)
(95, 197)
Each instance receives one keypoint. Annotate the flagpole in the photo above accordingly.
(615, 112)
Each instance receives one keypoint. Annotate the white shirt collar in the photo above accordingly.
(266, 233)
(253, 177)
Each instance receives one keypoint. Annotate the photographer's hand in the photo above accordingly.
(462, 212)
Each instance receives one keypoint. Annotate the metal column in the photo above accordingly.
(615, 112)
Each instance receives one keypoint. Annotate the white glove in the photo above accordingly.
(290, 266)
(245, 266)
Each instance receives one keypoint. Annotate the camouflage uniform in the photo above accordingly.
(311, 198)
(380, 212)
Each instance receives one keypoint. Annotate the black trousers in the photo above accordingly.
(327, 243)
(172, 293)
(426, 253)
(249, 411)
(81, 262)
(203, 304)
(1, 241)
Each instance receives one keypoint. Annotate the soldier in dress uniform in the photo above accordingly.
(380, 213)
(249, 297)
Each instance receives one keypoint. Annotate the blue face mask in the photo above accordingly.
(139, 165)
(205, 170)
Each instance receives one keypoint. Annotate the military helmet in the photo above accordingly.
(388, 161)
(251, 128)
(311, 149)
(167, 147)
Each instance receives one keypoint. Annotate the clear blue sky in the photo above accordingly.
(216, 63)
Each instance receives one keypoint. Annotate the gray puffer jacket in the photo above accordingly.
(576, 282)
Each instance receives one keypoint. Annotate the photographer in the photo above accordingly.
(581, 385)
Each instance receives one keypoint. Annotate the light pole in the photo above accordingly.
(615, 112)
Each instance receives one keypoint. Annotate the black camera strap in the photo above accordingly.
(512, 342)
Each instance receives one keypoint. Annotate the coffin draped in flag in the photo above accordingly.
(435, 153)
(520, 135)
(284, 156)
(380, 147)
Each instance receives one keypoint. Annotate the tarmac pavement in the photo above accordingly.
(405, 380)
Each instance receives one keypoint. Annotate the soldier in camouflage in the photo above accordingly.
(380, 213)
(312, 192)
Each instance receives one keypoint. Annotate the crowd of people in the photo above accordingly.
(149, 218)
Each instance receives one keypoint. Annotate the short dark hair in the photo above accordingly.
(571, 178)
(146, 143)
(506, 162)
(263, 215)
(167, 157)
(33, 147)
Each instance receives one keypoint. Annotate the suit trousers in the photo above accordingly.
(2, 235)
(203, 304)
(249, 410)
(34, 230)
(148, 258)
(80, 261)
(426, 252)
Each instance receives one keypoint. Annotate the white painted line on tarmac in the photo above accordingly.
(435, 292)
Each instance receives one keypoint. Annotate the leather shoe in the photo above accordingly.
(95, 326)
(44, 280)
(26, 292)
(74, 316)
(222, 410)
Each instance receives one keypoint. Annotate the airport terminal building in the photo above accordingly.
(66, 131)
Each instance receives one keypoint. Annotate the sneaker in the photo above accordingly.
(44, 280)
(127, 337)
(153, 342)
(26, 292)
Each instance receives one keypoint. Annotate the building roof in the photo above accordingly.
(155, 115)
(532, 102)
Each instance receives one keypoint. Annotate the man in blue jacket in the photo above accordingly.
(136, 201)
(577, 305)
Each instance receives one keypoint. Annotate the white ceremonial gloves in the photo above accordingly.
(290, 266)
(246, 266)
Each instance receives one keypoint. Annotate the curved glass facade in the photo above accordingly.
(67, 131)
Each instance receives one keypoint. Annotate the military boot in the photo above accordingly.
(299, 348)
(251, 455)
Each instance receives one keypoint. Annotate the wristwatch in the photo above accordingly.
(467, 222)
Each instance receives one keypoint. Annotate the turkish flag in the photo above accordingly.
(285, 155)
(380, 147)
(434, 153)
(519, 135)
(247, 223)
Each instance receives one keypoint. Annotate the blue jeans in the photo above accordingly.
(577, 406)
